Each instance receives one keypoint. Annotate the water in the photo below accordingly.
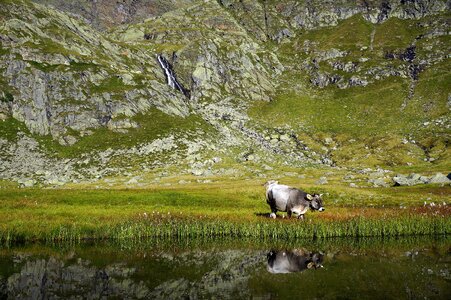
(333, 269)
(170, 75)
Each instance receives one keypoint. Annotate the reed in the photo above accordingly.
(261, 230)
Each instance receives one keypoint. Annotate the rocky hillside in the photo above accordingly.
(265, 84)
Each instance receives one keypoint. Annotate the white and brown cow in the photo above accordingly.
(282, 197)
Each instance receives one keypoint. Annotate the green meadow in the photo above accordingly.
(224, 208)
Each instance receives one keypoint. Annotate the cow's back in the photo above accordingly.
(280, 194)
(296, 196)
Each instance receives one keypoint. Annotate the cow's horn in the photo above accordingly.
(309, 197)
(310, 265)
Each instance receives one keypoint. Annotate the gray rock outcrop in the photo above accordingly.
(414, 179)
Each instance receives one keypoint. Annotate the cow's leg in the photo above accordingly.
(289, 212)
(301, 217)
(273, 212)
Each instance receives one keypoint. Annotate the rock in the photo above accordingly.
(67, 140)
(116, 125)
(290, 174)
(352, 185)
(322, 79)
(284, 33)
(414, 179)
(378, 182)
(328, 141)
(379, 173)
(216, 159)
(26, 182)
(322, 180)
(197, 172)
(56, 181)
(331, 54)
(348, 176)
(133, 180)
(285, 137)
(327, 161)
(402, 180)
(439, 178)
(357, 81)
(424, 179)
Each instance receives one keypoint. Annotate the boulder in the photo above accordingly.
(403, 180)
(378, 182)
(414, 179)
(197, 172)
(439, 178)
(26, 182)
(322, 180)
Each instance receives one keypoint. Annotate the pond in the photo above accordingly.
(410, 268)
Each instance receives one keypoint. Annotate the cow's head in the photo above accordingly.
(316, 202)
(315, 261)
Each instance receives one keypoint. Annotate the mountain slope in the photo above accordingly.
(271, 83)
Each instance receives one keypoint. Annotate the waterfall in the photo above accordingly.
(170, 76)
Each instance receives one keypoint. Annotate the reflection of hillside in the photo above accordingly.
(3, 291)
(227, 280)
(54, 278)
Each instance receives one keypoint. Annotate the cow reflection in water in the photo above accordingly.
(289, 261)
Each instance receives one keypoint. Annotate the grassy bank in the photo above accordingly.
(200, 211)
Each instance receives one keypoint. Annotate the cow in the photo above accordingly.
(286, 261)
(292, 200)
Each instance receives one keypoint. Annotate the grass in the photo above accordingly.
(339, 37)
(375, 117)
(10, 127)
(366, 124)
(152, 124)
(111, 84)
(343, 111)
(200, 211)
(396, 33)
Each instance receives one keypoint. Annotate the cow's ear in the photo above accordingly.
(309, 197)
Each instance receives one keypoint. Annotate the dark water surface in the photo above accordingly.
(414, 268)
